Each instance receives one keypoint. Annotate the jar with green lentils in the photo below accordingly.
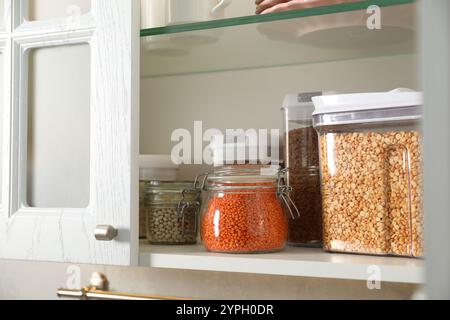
(172, 210)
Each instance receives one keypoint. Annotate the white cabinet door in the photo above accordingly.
(106, 38)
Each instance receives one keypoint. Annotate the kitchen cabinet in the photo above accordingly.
(181, 55)
(163, 57)
(56, 232)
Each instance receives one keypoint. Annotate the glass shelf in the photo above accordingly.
(322, 34)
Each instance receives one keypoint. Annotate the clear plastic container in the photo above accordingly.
(371, 170)
(302, 159)
(244, 210)
(172, 210)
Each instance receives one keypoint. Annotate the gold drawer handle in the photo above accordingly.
(98, 290)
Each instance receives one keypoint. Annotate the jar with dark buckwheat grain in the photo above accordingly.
(306, 230)
(302, 159)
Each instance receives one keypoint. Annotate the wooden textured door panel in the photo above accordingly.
(66, 234)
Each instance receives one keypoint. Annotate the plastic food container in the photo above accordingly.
(172, 212)
(371, 169)
(302, 159)
(151, 168)
(244, 210)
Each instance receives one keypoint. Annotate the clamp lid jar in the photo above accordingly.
(172, 212)
(244, 209)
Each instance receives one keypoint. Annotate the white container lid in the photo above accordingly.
(399, 104)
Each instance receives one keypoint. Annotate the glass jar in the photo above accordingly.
(371, 168)
(243, 210)
(302, 159)
(172, 210)
(152, 168)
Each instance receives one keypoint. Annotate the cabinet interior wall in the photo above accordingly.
(252, 98)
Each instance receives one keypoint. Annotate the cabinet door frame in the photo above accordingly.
(4, 124)
(435, 67)
(111, 29)
(5, 51)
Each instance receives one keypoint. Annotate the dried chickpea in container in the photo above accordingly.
(172, 212)
(371, 171)
(152, 168)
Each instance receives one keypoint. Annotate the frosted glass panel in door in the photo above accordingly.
(59, 127)
(48, 9)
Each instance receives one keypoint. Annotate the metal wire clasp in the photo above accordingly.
(184, 205)
(284, 192)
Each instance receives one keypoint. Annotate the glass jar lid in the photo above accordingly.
(170, 192)
(242, 177)
(156, 187)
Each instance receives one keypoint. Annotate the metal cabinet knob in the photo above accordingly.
(105, 233)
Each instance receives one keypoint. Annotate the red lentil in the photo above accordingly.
(244, 221)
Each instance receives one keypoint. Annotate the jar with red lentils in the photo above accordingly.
(245, 210)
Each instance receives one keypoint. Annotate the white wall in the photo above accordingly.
(253, 98)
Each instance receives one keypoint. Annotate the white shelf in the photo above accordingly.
(300, 262)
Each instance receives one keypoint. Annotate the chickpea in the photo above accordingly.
(383, 200)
